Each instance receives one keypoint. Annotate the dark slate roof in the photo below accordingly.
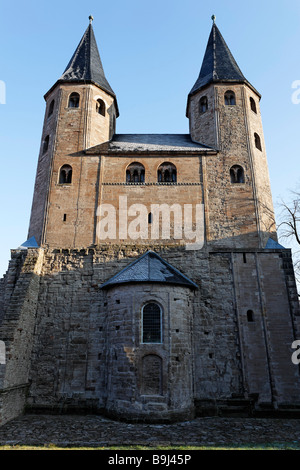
(218, 64)
(85, 64)
(149, 143)
(150, 268)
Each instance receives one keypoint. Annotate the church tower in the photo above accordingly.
(223, 112)
(81, 111)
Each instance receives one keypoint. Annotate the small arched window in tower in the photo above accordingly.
(253, 105)
(237, 174)
(51, 108)
(203, 105)
(151, 323)
(73, 100)
(250, 316)
(229, 98)
(65, 175)
(46, 144)
(257, 141)
(167, 173)
(150, 218)
(135, 173)
(100, 107)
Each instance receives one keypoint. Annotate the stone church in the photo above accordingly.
(152, 285)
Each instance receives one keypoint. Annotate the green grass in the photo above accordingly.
(267, 446)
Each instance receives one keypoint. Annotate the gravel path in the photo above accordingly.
(92, 431)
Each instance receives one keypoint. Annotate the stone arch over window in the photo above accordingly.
(135, 173)
(100, 107)
(46, 143)
(51, 108)
(151, 323)
(253, 105)
(151, 383)
(203, 104)
(74, 100)
(65, 174)
(237, 174)
(230, 98)
(167, 173)
(257, 141)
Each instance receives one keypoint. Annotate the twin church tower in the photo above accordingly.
(224, 155)
(111, 319)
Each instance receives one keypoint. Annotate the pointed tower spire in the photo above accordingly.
(218, 64)
(85, 64)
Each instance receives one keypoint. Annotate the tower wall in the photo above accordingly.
(70, 130)
(239, 214)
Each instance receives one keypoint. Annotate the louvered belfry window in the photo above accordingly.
(151, 323)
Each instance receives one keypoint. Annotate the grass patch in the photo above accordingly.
(247, 447)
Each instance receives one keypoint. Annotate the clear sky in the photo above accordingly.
(151, 52)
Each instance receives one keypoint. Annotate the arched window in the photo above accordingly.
(253, 105)
(150, 218)
(203, 105)
(229, 98)
(135, 173)
(65, 175)
(46, 144)
(74, 100)
(100, 107)
(167, 173)
(51, 108)
(151, 323)
(257, 141)
(250, 316)
(237, 174)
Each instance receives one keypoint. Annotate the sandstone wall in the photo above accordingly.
(78, 345)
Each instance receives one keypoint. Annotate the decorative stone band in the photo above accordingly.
(151, 184)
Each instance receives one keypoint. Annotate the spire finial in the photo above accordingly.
(91, 19)
(213, 18)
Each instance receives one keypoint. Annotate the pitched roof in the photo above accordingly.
(150, 143)
(150, 268)
(85, 64)
(30, 243)
(273, 245)
(218, 64)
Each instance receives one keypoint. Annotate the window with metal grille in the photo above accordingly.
(151, 323)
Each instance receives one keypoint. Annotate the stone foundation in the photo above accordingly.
(75, 347)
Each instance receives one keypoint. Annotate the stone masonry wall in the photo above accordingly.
(16, 331)
(70, 130)
(61, 331)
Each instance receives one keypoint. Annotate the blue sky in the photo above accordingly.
(151, 53)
